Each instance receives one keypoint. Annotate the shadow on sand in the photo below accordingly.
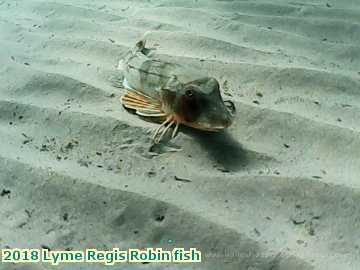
(222, 148)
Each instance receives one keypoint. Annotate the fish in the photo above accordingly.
(172, 94)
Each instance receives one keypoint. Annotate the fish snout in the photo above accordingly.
(219, 121)
(224, 122)
(227, 116)
(227, 121)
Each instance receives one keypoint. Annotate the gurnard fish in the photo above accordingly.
(172, 94)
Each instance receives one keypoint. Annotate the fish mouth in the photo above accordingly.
(207, 122)
(206, 127)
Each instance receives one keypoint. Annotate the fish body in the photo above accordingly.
(171, 92)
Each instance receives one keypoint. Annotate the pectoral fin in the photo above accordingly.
(142, 104)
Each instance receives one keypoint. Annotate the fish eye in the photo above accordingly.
(189, 93)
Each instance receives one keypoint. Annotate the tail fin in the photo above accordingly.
(140, 47)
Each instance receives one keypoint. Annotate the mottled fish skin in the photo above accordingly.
(150, 75)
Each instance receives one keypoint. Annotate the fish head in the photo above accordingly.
(199, 104)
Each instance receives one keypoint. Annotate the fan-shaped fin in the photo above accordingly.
(142, 104)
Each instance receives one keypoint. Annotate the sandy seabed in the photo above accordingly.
(278, 190)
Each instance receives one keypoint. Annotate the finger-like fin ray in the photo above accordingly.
(160, 132)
